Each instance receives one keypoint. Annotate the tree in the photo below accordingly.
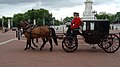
(40, 15)
(57, 22)
(5, 21)
(117, 17)
(67, 19)
(112, 18)
(103, 16)
(17, 18)
(106, 16)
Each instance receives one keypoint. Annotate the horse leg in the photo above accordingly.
(27, 46)
(50, 41)
(34, 43)
(36, 40)
(31, 46)
(29, 43)
(44, 42)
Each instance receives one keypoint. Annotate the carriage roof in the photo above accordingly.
(95, 20)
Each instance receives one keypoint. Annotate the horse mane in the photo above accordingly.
(26, 22)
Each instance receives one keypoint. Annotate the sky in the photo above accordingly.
(59, 8)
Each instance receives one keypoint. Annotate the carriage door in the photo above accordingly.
(89, 32)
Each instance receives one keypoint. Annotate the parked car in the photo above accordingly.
(14, 28)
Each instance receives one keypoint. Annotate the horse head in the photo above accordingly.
(23, 24)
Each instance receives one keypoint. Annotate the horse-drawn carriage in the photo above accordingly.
(94, 32)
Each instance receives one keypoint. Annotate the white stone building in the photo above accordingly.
(88, 13)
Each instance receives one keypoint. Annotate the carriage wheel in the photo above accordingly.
(110, 43)
(69, 44)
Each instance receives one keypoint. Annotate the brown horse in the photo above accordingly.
(43, 31)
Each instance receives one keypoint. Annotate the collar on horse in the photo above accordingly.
(29, 28)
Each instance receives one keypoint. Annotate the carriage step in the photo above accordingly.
(93, 47)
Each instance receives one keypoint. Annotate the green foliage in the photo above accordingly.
(103, 16)
(39, 15)
(68, 19)
(113, 18)
(58, 22)
(5, 21)
(117, 17)
(17, 18)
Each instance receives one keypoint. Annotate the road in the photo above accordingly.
(12, 54)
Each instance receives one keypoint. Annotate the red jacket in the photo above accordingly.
(76, 22)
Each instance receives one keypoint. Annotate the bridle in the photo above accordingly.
(24, 25)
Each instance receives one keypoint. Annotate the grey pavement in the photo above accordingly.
(12, 54)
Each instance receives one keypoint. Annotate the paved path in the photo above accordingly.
(12, 54)
(2, 43)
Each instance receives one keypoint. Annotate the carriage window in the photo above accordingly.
(92, 26)
(84, 26)
(88, 26)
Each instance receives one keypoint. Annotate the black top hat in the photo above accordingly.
(76, 13)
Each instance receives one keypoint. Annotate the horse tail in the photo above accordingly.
(54, 37)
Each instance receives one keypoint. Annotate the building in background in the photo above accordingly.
(88, 13)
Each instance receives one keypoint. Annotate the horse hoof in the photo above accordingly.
(28, 48)
(36, 46)
(25, 49)
(93, 47)
(40, 48)
(33, 48)
(50, 50)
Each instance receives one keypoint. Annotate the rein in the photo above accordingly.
(29, 29)
(32, 27)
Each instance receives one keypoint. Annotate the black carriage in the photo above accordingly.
(94, 32)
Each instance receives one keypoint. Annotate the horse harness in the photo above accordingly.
(29, 29)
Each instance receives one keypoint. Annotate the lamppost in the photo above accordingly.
(33, 17)
(29, 17)
(11, 20)
(54, 22)
(9, 23)
(43, 18)
(2, 23)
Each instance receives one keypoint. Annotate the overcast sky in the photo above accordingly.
(59, 8)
